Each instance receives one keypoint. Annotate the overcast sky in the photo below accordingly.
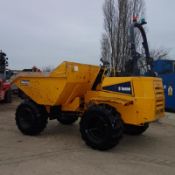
(47, 32)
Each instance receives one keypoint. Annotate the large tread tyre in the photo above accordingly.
(8, 96)
(21, 94)
(31, 119)
(135, 130)
(101, 127)
(67, 119)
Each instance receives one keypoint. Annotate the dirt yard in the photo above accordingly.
(60, 150)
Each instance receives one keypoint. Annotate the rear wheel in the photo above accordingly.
(67, 119)
(31, 119)
(101, 127)
(135, 130)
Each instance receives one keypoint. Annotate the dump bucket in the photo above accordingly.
(68, 81)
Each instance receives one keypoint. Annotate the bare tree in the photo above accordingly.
(105, 50)
(160, 53)
(122, 37)
(117, 20)
(108, 39)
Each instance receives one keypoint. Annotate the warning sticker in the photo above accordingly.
(170, 91)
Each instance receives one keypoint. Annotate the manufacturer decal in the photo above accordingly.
(25, 82)
(124, 88)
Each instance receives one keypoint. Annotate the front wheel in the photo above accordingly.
(135, 130)
(31, 119)
(101, 127)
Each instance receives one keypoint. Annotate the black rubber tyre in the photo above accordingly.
(31, 119)
(21, 94)
(67, 119)
(101, 127)
(135, 130)
(8, 96)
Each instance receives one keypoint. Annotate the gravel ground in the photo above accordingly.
(60, 150)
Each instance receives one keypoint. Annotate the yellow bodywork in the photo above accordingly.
(61, 86)
(144, 105)
(69, 86)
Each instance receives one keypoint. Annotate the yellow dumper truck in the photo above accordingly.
(107, 106)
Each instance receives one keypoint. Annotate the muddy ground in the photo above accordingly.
(60, 150)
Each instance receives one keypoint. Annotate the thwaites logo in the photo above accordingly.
(124, 88)
(25, 82)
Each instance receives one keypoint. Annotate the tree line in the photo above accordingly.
(115, 43)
